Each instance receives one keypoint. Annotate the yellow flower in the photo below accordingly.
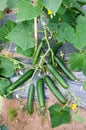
(73, 107)
(50, 12)
(59, 19)
(15, 62)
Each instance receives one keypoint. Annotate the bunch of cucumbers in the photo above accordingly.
(46, 79)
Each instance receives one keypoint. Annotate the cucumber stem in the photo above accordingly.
(9, 49)
(48, 44)
(16, 61)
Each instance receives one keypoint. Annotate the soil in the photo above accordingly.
(24, 121)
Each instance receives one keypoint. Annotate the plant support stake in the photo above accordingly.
(35, 29)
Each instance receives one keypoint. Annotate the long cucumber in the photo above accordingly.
(40, 92)
(64, 68)
(57, 76)
(30, 99)
(37, 53)
(54, 89)
(54, 49)
(21, 80)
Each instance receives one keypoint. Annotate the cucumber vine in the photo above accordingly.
(61, 22)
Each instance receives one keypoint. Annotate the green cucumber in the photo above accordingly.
(54, 89)
(30, 99)
(54, 49)
(64, 68)
(57, 76)
(37, 53)
(21, 80)
(40, 93)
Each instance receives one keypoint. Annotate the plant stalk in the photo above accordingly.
(35, 29)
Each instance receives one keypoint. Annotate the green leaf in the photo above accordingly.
(59, 115)
(4, 83)
(84, 64)
(78, 62)
(71, 37)
(3, 4)
(28, 52)
(11, 4)
(6, 29)
(83, 1)
(84, 85)
(26, 11)
(7, 67)
(81, 35)
(78, 118)
(21, 35)
(3, 127)
(60, 34)
(62, 10)
(59, 30)
(77, 6)
(53, 7)
(72, 4)
(78, 38)
(53, 26)
(65, 15)
(67, 3)
(81, 19)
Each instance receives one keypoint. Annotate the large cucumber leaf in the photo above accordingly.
(6, 29)
(83, 1)
(59, 115)
(3, 4)
(78, 62)
(52, 7)
(7, 67)
(81, 19)
(26, 11)
(28, 52)
(12, 4)
(78, 38)
(4, 83)
(21, 35)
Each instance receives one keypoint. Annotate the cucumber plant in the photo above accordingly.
(61, 22)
